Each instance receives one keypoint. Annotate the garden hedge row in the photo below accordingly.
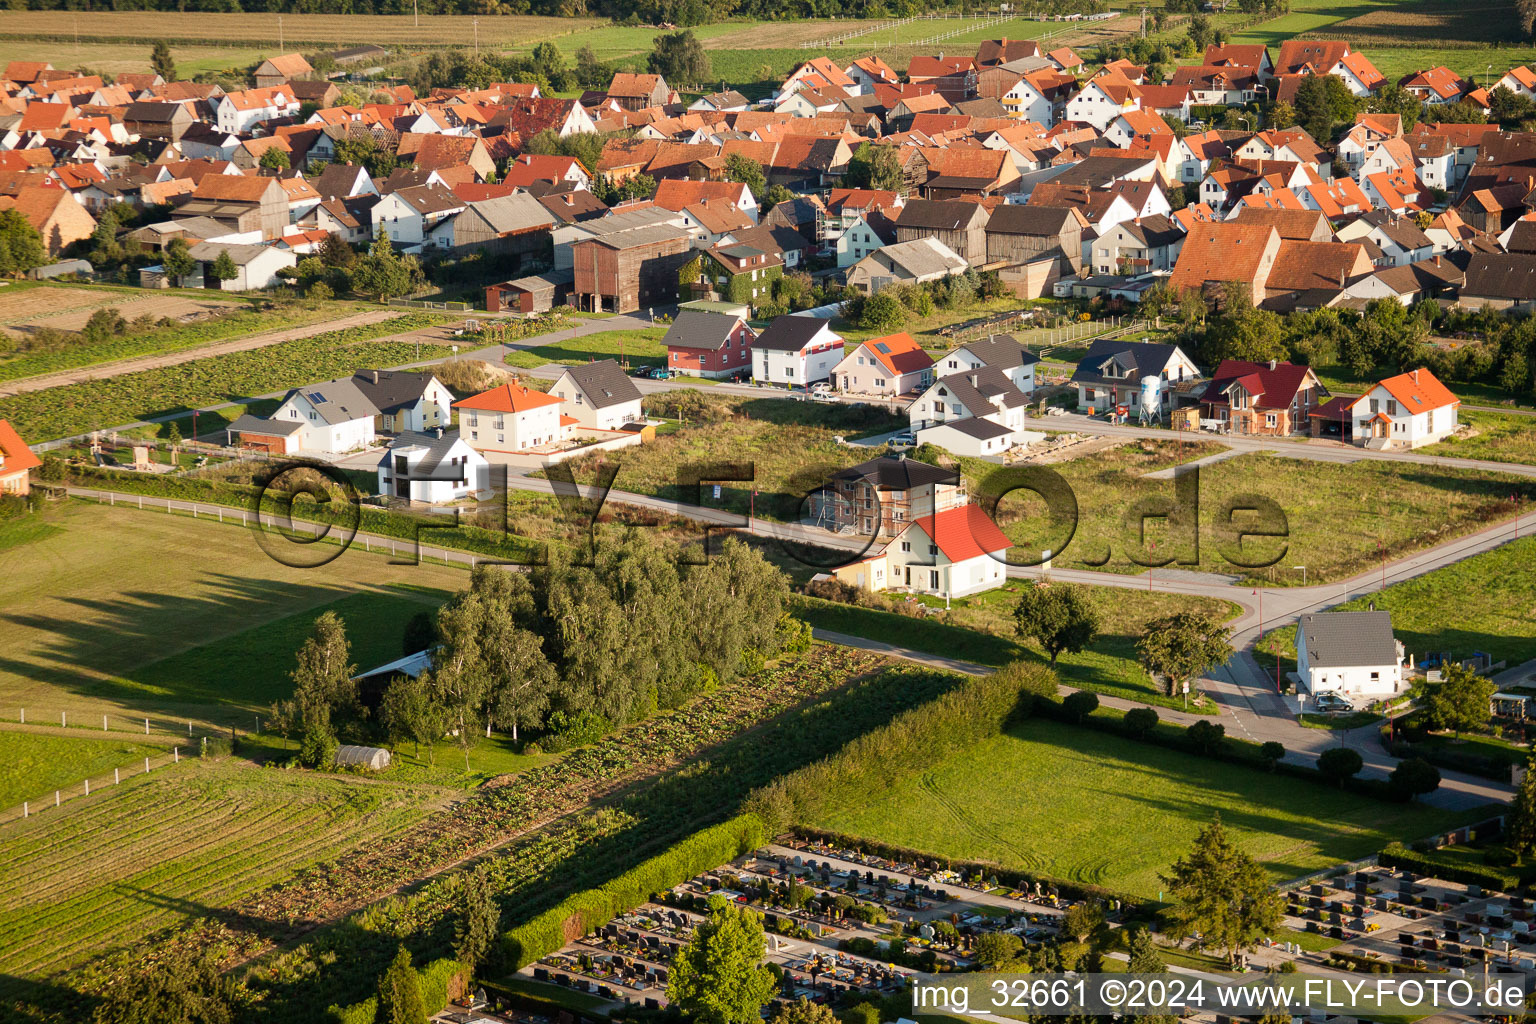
(436, 981)
(1400, 857)
(582, 912)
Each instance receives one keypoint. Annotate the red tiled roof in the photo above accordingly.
(963, 532)
(507, 398)
(899, 353)
(1419, 391)
(1271, 388)
(17, 456)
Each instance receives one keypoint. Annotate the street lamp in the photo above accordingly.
(1303, 573)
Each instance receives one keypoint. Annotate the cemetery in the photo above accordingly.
(839, 923)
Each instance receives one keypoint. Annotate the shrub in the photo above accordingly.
(1206, 737)
(1463, 872)
(1140, 721)
(1080, 704)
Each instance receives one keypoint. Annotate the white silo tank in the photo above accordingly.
(1151, 397)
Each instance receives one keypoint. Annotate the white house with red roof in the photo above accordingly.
(952, 553)
(511, 418)
(1405, 411)
(888, 366)
(16, 461)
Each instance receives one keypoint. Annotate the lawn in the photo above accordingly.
(34, 764)
(980, 629)
(173, 846)
(1091, 807)
(1501, 437)
(631, 348)
(180, 619)
(1484, 603)
(1337, 519)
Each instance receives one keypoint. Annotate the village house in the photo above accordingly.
(409, 215)
(701, 343)
(887, 366)
(1405, 411)
(1273, 399)
(1116, 372)
(952, 553)
(974, 412)
(1001, 352)
(796, 351)
(434, 468)
(511, 418)
(1350, 654)
(882, 496)
(278, 70)
(600, 396)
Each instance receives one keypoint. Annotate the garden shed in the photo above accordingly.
(373, 758)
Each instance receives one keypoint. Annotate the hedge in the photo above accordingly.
(583, 912)
(1399, 856)
(436, 979)
(1455, 760)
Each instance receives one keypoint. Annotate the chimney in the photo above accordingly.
(1370, 606)
(1272, 364)
(375, 376)
(1415, 376)
(438, 431)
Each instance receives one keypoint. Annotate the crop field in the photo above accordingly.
(34, 764)
(634, 348)
(180, 619)
(174, 846)
(298, 31)
(981, 629)
(1087, 806)
(1485, 603)
(100, 404)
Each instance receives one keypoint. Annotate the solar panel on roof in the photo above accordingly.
(883, 347)
(317, 398)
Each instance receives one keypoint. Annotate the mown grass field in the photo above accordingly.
(1091, 807)
(34, 764)
(981, 629)
(635, 348)
(173, 846)
(1485, 603)
(122, 612)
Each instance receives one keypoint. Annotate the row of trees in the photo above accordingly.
(568, 647)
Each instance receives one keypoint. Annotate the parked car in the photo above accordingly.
(659, 373)
(904, 439)
(1332, 702)
(822, 388)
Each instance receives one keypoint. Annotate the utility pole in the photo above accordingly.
(280, 33)
(415, 14)
(477, 38)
